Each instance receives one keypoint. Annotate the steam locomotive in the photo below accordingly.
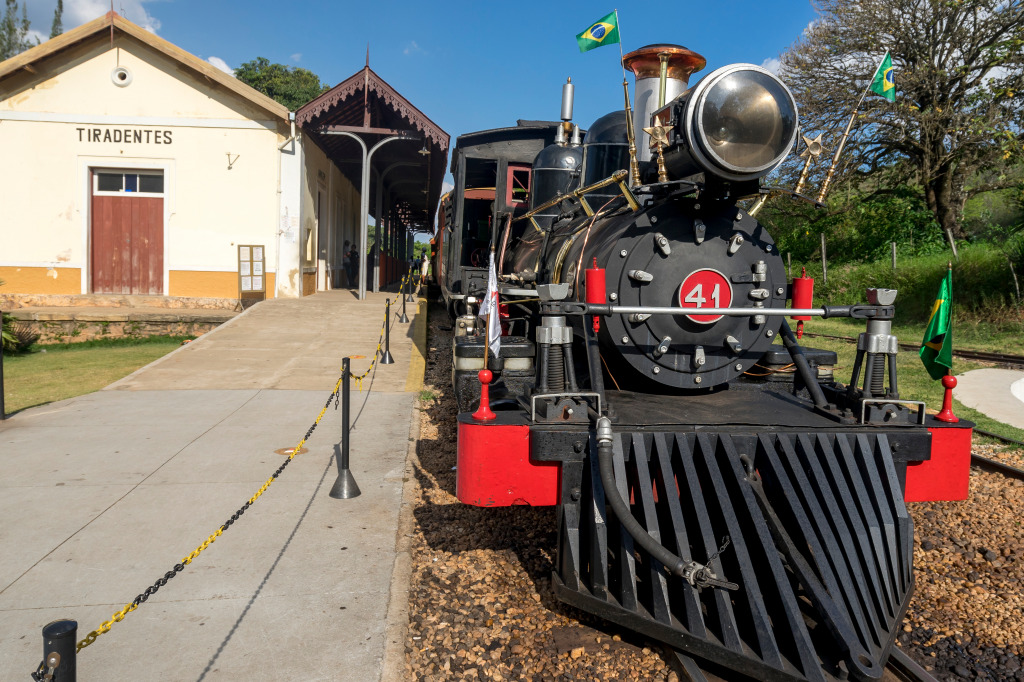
(716, 489)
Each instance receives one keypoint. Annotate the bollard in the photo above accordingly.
(59, 662)
(385, 357)
(345, 486)
(3, 408)
(403, 317)
(410, 294)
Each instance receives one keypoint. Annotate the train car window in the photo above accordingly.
(517, 187)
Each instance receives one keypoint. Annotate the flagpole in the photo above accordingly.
(634, 167)
(622, 59)
(846, 134)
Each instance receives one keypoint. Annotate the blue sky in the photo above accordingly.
(467, 65)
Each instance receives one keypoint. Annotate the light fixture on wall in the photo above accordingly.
(424, 151)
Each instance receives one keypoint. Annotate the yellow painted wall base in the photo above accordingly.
(205, 284)
(25, 280)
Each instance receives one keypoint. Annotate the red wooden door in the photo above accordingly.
(127, 245)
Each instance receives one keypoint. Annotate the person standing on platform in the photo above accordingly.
(424, 269)
(346, 262)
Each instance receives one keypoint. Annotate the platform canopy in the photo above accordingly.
(406, 171)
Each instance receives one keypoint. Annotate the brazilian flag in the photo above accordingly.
(883, 84)
(604, 31)
(937, 345)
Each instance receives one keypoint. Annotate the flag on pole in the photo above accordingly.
(937, 346)
(883, 83)
(604, 31)
(489, 310)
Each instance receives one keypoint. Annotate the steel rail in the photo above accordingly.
(986, 356)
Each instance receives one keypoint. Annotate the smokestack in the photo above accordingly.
(646, 65)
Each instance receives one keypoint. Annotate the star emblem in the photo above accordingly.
(658, 133)
(813, 148)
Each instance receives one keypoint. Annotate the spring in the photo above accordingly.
(876, 369)
(556, 369)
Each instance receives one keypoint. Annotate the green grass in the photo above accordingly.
(60, 371)
(914, 381)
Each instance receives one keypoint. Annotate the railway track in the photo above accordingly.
(983, 356)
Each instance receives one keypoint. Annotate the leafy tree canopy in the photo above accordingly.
(14, 30)
(289, 85)
(956, 126)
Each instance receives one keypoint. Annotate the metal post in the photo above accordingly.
(893, 255)
(403, 318)
(385, 357)
(3, 409)
(824, 260)
(345, 486)
(59, 662)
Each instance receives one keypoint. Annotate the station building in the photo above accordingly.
(130, 166)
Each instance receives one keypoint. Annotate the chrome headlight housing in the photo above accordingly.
(738, 123)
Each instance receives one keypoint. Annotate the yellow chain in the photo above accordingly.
(128, 608)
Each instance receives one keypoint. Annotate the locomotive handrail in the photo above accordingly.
(616, 178)
(855, 311)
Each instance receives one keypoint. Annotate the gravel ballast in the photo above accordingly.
(481, 605)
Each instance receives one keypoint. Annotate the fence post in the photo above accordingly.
(59, 652)
(824, 261)
(893, 255)
(410, 294)
(345, 486)
(3, 408)
(385, 357)
(403, 317)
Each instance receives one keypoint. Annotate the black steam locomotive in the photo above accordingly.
(717, 490)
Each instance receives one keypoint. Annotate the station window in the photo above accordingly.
(128, 182)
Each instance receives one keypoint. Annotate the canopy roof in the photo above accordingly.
(366, 105)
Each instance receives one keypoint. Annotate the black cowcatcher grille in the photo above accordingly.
(820, 545)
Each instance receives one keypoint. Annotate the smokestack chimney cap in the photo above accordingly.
(644, 63)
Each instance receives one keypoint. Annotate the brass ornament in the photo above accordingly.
(659, 140)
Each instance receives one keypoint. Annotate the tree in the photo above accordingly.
(956, 125)
(57, 27)
(14, 31)
(289, 85)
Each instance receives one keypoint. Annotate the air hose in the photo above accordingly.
(694, 573)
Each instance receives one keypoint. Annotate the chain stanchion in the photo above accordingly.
(344, 487)
(59, 662)
(403, 318)
(409, 294)
(385, 358)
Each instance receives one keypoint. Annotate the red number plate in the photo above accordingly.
(705, 288)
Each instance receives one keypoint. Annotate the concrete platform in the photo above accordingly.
(106, 492)
(999, 393)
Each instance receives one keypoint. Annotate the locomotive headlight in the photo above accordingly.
(738, 122)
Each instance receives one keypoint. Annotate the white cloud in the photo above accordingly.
(446, 187)
(77, 12)
(221, 64)
(772, 64)
(297, 57)
(413, 48)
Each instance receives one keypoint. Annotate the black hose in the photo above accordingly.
(673, 563)
(797, 353)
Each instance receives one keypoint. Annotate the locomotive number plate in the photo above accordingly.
(705, 288)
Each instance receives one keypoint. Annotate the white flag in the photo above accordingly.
(490, 306)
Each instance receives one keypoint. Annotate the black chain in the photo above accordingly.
(178, 568)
